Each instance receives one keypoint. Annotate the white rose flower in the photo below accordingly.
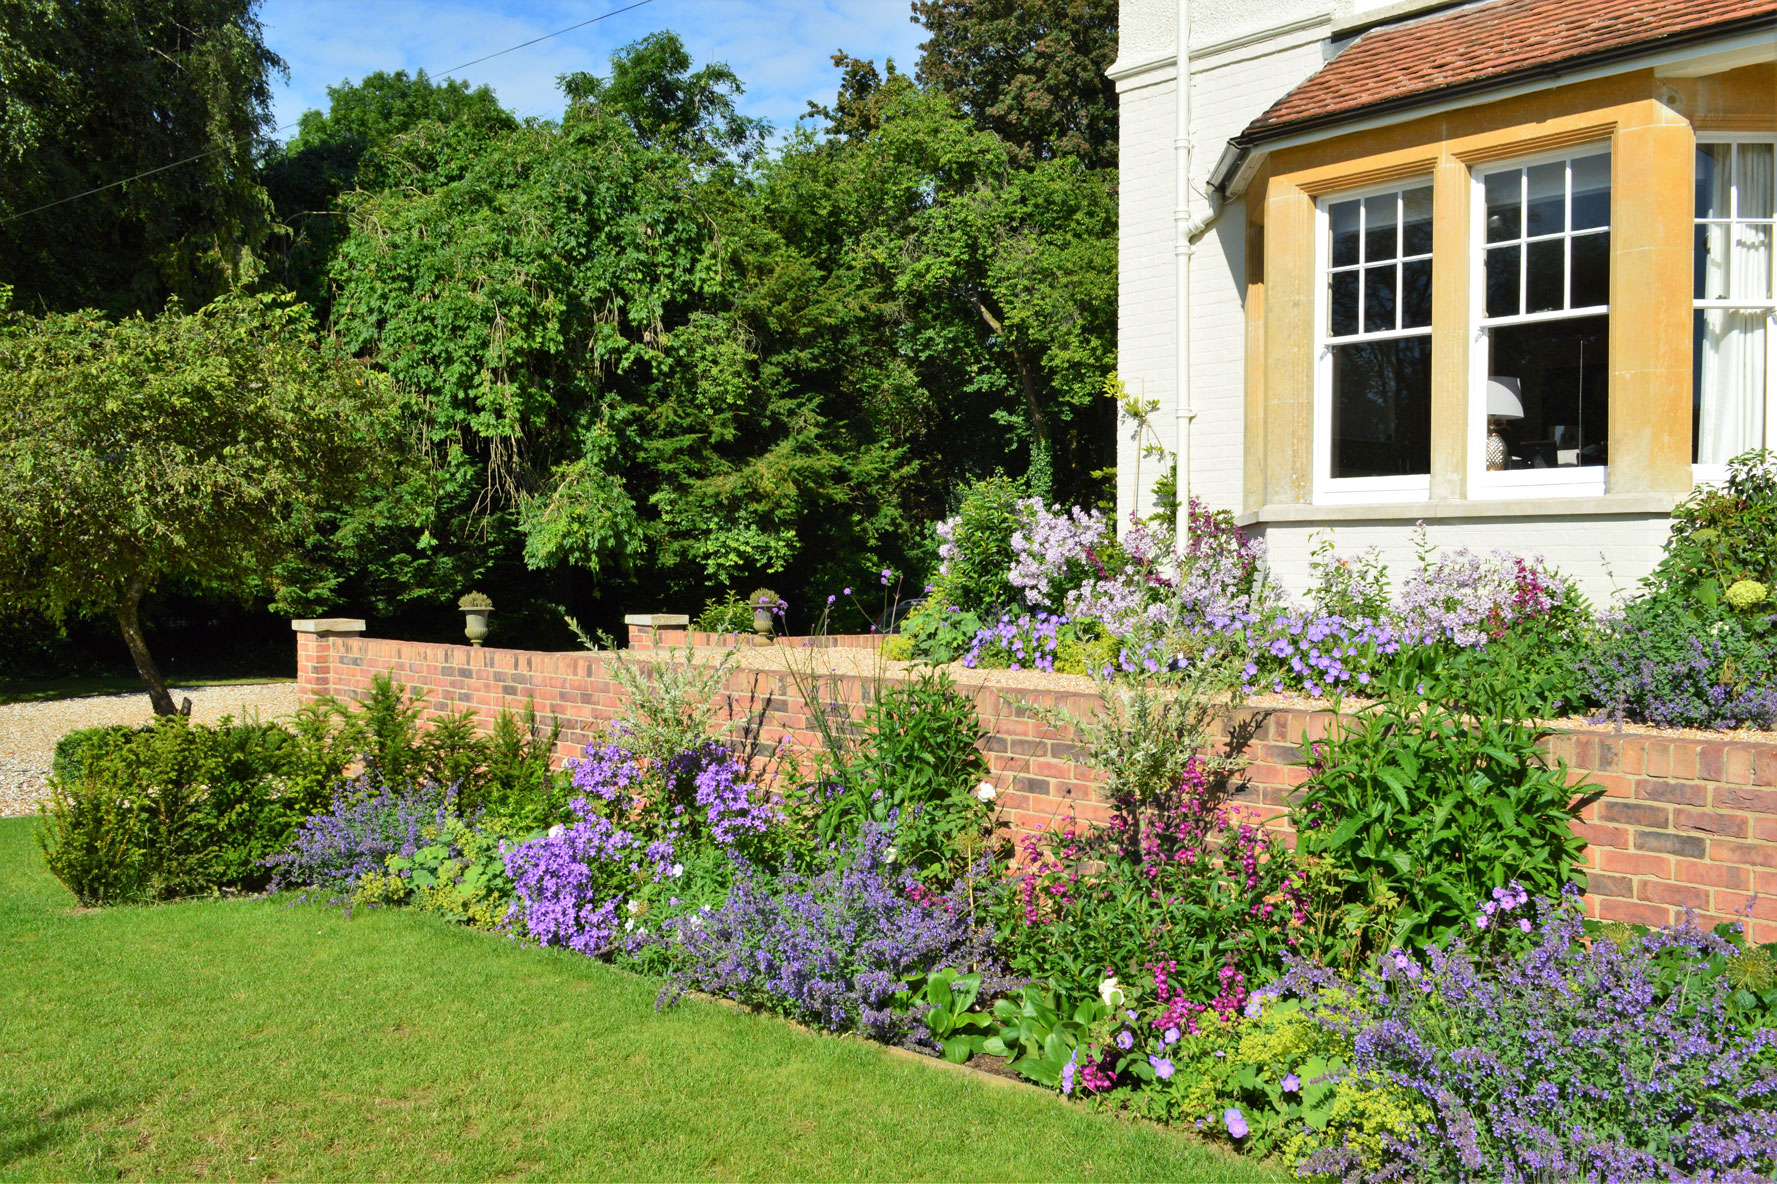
(1110, 991)
(986, 792)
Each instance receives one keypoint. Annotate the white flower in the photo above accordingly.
(986, 792)
(1110, 992)
(890, 855)
(696, 922)
(629, 925)
(634, 907)
(557, 831)
(677, 870)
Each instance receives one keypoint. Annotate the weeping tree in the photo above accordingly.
(191, 447)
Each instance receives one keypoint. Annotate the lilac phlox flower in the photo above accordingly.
(1235, 1122)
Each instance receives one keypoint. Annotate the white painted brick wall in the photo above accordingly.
(1607, 555)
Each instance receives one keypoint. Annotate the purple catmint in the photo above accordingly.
(368, 821)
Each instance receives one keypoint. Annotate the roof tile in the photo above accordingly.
(1484, 41)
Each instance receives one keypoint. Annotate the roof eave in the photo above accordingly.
(1245, 152)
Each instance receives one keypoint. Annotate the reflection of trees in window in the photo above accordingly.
(1379, 281)
(1564, 367)
(1382, 408)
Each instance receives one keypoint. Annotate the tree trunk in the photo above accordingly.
(130, 622)
(1027, 381)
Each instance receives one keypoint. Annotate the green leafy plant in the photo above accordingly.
(729, 614)
(1435, 801)
(1039, 1028)
(944, 1000)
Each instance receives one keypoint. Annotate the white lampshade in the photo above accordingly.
(1505, 397)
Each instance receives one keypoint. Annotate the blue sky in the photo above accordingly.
(779, 48)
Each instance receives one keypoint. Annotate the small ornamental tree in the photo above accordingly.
(195, 446)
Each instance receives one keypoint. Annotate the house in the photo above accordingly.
(1505, 267)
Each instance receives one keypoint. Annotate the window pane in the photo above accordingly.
(1382, 408)
(1591, 192)
(1416, 294)
(1502, 205)
(1379, 219)
(1563, 368)
(1712, 261)
(1752, 177)
(1502, 281)
(1749, 273)
(1544, 281)
(1712, 180)
(1379, 298)
(1591, 270)
(1730, 380)
(1416, 221)
(1342, 295)
(1342, 215)
(1546, 199)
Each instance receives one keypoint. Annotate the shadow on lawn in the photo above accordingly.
(19, 1141)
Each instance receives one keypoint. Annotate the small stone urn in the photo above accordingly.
(766, 604)
(476, 606)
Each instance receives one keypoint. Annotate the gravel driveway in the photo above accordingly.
(29, 731)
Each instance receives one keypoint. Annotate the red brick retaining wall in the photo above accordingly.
(1681, 823)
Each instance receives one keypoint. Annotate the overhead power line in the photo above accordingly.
(285, 127)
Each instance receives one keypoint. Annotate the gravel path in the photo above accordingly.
(29, 731)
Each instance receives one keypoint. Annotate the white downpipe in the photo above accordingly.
(1183, 247)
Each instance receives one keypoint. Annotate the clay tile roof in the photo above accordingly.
(1490, 42)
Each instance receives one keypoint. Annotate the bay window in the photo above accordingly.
(1373, 387)
(1540, 397)
(1734, 360)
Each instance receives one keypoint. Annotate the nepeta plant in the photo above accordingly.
(1557, 1059)
(832, 948)
(368, 821)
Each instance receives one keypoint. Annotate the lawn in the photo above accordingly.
(248, 1039)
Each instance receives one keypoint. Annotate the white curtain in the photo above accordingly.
(1733, 350)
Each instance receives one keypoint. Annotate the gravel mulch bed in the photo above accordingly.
(29, 731)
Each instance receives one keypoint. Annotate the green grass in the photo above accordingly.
(248, 1039)
(42, 690)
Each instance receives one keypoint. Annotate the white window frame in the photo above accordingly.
(1716, 474)
(1484, 484)
(1347, 491)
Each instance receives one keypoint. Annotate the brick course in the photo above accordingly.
(1671, 824)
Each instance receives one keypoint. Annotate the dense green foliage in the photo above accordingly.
(100, 90)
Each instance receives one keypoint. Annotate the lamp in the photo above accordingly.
(1504, 401)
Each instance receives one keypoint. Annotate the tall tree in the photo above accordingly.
(341, 148)
(190, 447)
(95, 91)
(1030, 71)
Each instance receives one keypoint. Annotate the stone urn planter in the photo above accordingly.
(766, 605)
(476, 606)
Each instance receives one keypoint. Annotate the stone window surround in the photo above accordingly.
(1650, 126)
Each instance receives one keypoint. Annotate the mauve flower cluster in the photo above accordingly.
(830, 948)
(569, 884)
(1315, 655)
(1472, 599)
(1053, 553)
(368, 821)
(1565, 1059)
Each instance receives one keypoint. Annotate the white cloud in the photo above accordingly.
(779, 48)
